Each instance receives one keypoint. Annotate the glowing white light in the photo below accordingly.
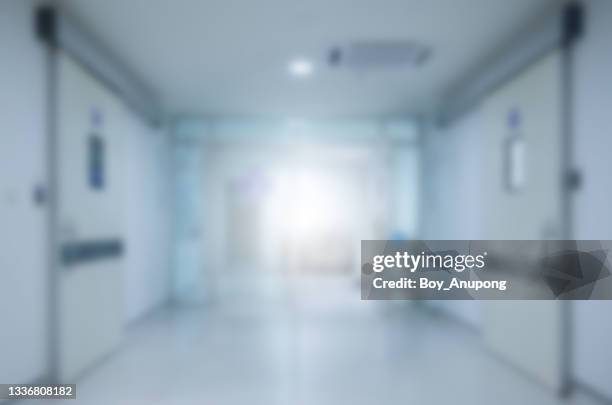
(300, 67)
(315, 206)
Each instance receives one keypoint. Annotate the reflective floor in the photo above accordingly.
(316, 344)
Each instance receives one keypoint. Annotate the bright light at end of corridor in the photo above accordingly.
(315, 205)
(300, 67)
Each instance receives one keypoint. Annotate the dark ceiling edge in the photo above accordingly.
(59, 30)
(560, 27)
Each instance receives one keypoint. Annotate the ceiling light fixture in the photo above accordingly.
(300, 67)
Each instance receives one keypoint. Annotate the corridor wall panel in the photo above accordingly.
(452, 201)
(23, 287)
(593, 218)
(147, 219)
(467, 196)
(89, 292)
(528, 109)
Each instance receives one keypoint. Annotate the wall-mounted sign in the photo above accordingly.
(96, 118)
(514, 153)
(96, 160)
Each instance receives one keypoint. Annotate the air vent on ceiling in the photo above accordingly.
(374, 54)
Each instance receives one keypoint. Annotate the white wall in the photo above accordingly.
(148, 219)
(405, 175)
(23, 275)
(452, 180)
(190, 245)
(405, 191)
(593, 218)
(451, 184)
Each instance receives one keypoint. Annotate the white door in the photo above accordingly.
(89, 230)
(522, 138)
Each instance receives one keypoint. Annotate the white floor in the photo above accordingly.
(307, 346)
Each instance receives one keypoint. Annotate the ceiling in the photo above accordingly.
(230, 57)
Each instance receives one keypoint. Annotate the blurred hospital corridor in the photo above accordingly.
(188, 189)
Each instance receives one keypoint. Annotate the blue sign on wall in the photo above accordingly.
(96, 162)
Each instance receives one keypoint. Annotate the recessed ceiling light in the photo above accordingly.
(300, 67)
